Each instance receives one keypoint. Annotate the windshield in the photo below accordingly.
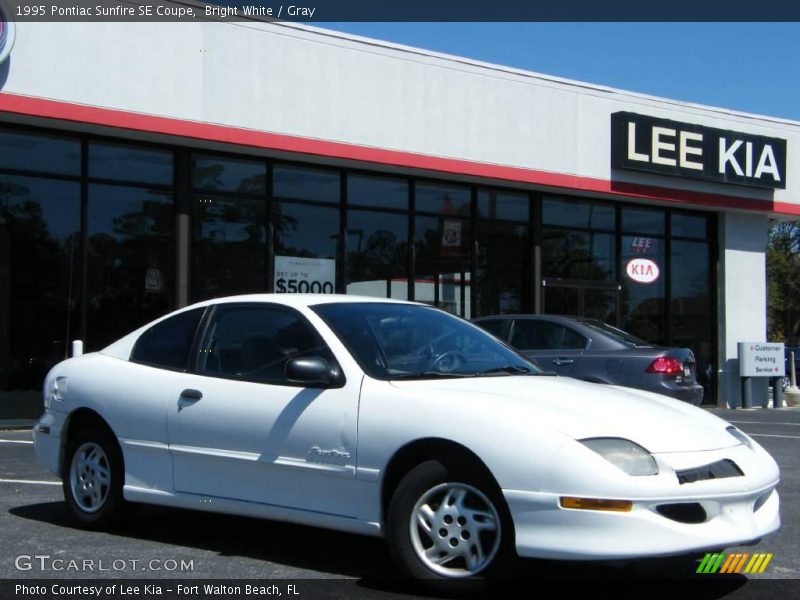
(404, 341)
(617, 334)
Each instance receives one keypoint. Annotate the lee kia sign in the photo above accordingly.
(642, 143)
(642, 270)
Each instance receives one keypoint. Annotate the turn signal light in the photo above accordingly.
(665, 365)
(596, 504)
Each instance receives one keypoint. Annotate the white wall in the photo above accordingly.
(298, 81)
(742, 298)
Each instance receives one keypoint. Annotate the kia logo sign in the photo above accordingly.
(642, 270)
(7, 33)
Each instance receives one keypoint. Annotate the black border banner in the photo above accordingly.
(325, 11)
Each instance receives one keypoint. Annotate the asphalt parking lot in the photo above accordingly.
(167, 544)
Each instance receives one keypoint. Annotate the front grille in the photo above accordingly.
(683, 513)
(718, 470)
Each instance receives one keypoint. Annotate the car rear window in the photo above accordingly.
(617, 334)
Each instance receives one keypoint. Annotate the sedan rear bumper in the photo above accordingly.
(545, 530)
(693, 394)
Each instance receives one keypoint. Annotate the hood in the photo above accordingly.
(584, 410)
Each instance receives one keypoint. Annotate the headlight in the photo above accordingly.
(740, 436)
(624, 454)
(57, 391)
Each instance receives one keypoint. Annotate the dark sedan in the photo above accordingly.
(594, 351)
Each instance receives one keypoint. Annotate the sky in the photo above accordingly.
(749, 67)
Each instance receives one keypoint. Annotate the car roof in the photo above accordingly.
(543, 317)
(296, 300)
(122, 347)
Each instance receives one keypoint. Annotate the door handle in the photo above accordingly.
(563, 361)
(188, 397)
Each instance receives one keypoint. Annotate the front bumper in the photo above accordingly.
(47, 439)
(545, 530)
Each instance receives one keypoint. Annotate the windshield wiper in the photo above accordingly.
(517, 370)
(510, 369)
(428, 375)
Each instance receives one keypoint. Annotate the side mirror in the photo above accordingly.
(310, 371)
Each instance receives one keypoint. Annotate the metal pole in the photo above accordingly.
(777, 392)
(792, 374)
(747, 396)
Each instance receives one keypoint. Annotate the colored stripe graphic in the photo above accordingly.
(733, 563)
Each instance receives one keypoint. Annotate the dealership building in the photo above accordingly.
(146, 166)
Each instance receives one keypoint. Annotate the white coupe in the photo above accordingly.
(394, 419)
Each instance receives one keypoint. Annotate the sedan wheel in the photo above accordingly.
(455, 530)
(443, 524)
(94, 478)
(90, 477)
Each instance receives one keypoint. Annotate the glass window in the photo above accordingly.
(562, 300)
(643, 220)
(253, 343)
(131, 256)
(406, 341)
(601, 304)
(494, 326)
(509, 206)
(379, 192)
(228, 246)
(40, 282)
(130, 163)
(229, 174)
(502, 278)
(443, 263)
(377, 254)
(689, 225)
(617, 334)
(579, 255)
(642, 300)
(168, 343)
(303, 183)
(442, 199)
(532, 334)
(40, 152)
(690, 306)
(578, 213)
(303, 230)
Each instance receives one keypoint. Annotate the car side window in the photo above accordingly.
(167, 344)
(493, 326)
(530, 334)
(253, 343)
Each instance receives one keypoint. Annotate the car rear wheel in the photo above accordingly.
(94, 478)
(444, 525)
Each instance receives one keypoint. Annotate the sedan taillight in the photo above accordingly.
(665, 365)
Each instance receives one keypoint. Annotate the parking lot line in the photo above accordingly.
(792, 437)
(33, 482)
(16, 442)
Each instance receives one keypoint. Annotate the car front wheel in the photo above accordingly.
(444, 525)
(93, 479)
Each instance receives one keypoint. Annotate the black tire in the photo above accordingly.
(449, 534)
(94, 465)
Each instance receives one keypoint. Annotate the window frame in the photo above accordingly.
(192, 346)
(208, 320)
